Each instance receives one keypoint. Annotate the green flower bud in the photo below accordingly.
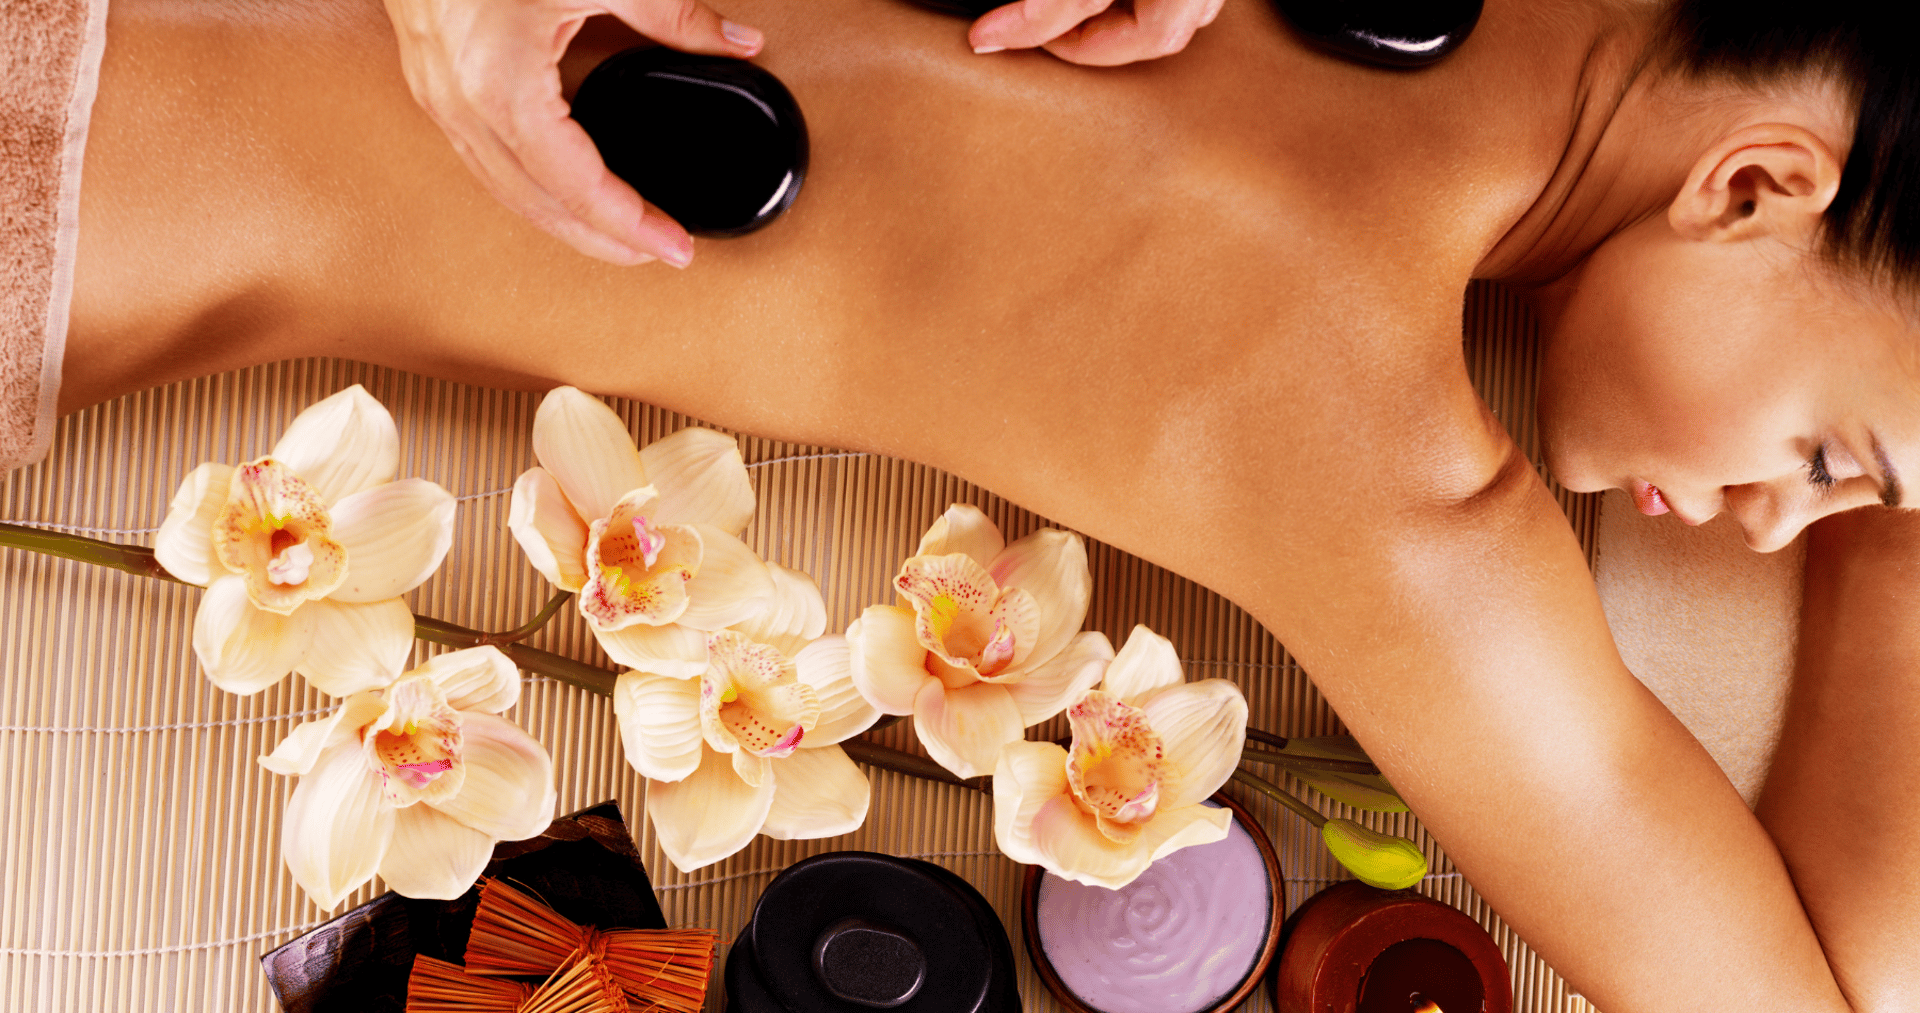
(1390, 863)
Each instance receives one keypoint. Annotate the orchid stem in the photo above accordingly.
(533, 625)
(567, 670)
(134, 559)
(139, 560)
(1296, 762)
(1280, 795)
(875, 755)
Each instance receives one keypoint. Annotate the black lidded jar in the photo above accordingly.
(718, 144)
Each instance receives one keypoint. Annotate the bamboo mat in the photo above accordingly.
(141, 862)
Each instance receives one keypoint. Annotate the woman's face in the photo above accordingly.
(1737, 376)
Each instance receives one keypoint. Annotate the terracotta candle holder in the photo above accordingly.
(1357, 949)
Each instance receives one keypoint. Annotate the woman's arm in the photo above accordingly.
(1840, 798)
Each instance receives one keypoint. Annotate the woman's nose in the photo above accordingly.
(1772, 514)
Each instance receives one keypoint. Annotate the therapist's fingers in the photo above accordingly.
(560, 160)
(486, 71)
(1030, 24)
(687, 25)
(1092, 32)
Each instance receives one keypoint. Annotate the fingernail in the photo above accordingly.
(984, 50)
(741, 35)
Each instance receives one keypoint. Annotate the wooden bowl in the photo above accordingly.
(1029, 920)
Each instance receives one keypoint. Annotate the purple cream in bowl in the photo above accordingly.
(1189, 931)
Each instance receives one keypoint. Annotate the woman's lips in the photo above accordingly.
(1646, 497)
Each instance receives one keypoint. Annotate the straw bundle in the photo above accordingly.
(660, 969)
(583, 986)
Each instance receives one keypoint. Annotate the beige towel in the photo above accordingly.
(50, 63)
(1707, 624)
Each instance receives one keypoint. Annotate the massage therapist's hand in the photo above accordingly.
(1099, 33)
(487, 71)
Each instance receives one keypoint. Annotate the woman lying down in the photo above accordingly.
(1208, 309)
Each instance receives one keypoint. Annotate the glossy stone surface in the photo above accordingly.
(869, 964)
(719, 144)
(1387, 33)
(962, 8)
(839, 933)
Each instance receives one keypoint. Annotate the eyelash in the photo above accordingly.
(1817, 474)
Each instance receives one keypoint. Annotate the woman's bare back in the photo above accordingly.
(1206, 309)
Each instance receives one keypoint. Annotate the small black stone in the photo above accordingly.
(719, 144)
(963, 8)
(1387, 33)
(870, 964)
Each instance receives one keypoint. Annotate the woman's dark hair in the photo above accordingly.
(1874, 221)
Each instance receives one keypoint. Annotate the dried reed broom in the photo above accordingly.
(584, 985)
(660, 969)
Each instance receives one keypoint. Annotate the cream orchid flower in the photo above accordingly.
(650, 539)
(305, 552)
(1148, 748)
(415, 782)
(750, 746)
(985, 641)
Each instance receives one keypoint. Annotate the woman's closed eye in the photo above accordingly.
(1817, 474)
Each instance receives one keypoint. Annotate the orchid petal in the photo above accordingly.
(752, 769)
(1118, 764)
(963, 729)
(889, 665)
(701, 479)
(638, 572)
(795, 616)
(1072, 847)
(953, 601)
(184, 543)
(297, 753)
(1026, 776)
(1048, 690)
(1203, 725)
(1051, 565)
(827, 666)
(964, 529)
(587, 449)
(1146, 663)
(396, 536)
(817, 793)
(242, 648)
(708, 815)
(336, 828)
(731, 585)
(342, 444)
(508, 794)
(433, 856)
(477, 679)
(673, 650)
(751, 698)
(275, 531)
(356, 647)
(659, 719)
(549, 531)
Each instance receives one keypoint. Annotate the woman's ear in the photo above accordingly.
(1768, 179)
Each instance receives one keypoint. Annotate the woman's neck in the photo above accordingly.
(1638, 128)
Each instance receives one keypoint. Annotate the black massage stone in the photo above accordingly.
(852, 931)
(1387, 33)
(719, 144)
(968, 9)
(869, 964)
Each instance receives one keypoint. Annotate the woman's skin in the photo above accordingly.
(1206, 309)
